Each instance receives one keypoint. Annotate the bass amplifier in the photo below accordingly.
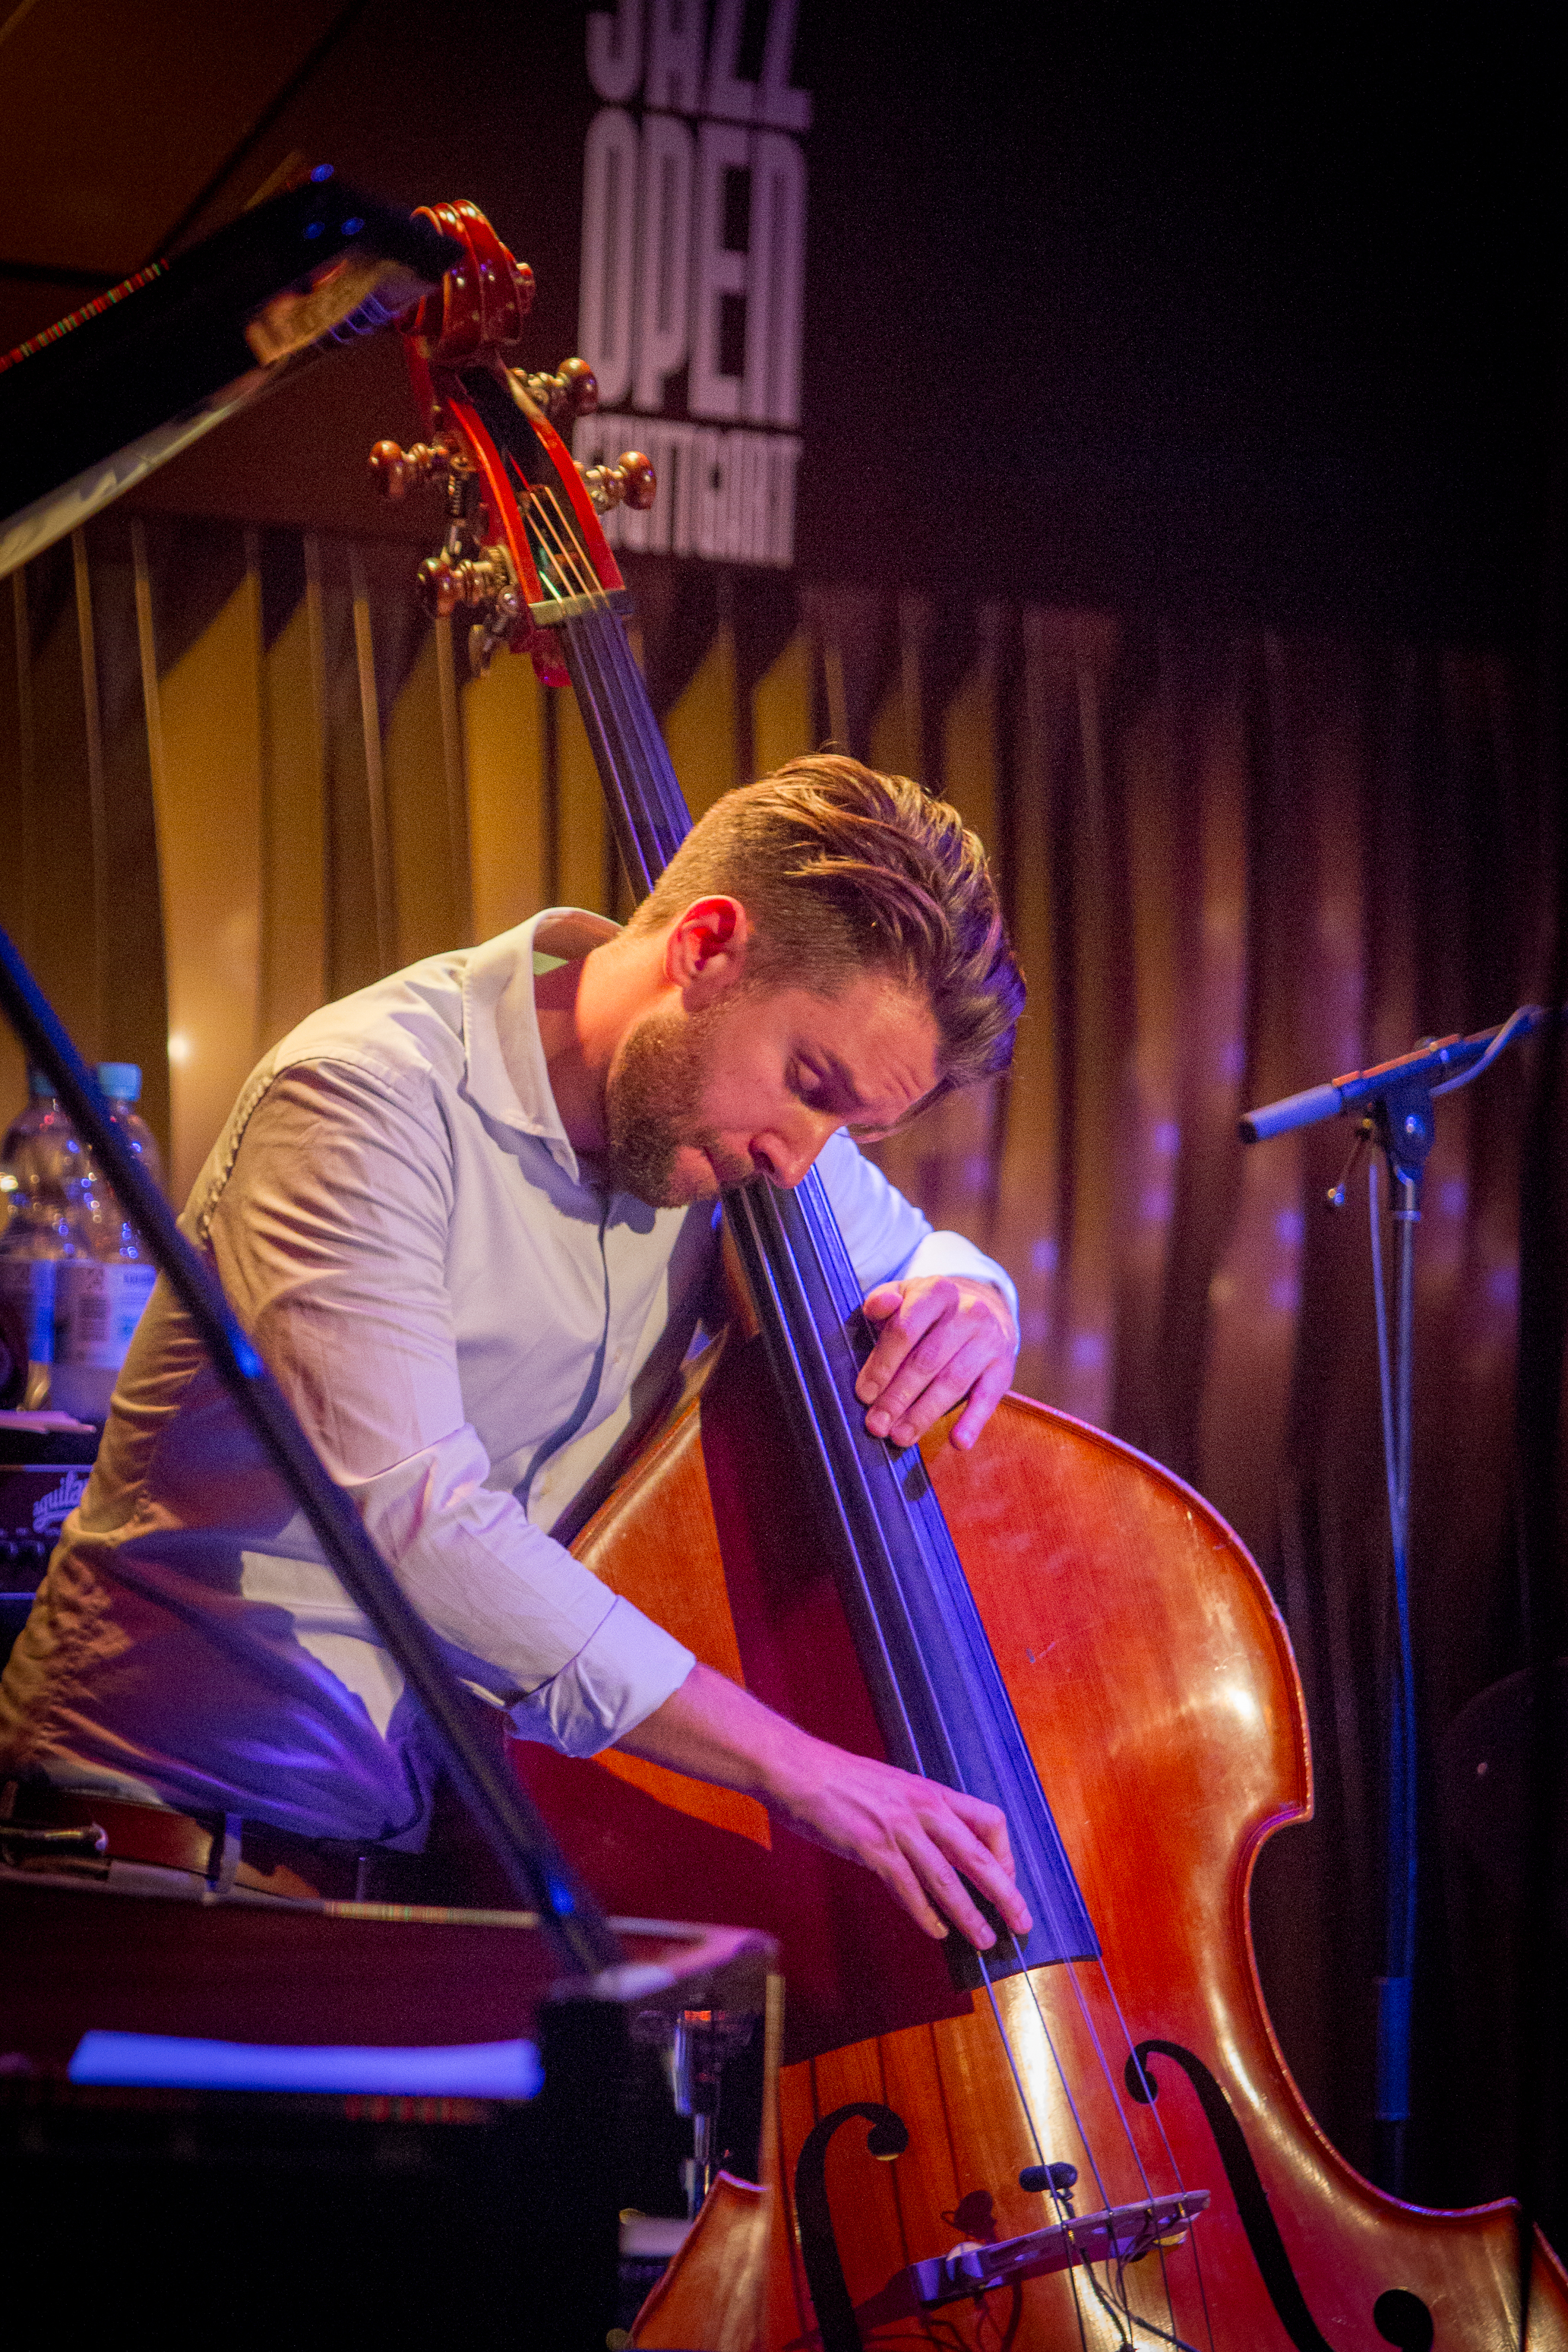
(43, 1477)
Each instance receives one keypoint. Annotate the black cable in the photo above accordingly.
(1543, 1325)
(1136, 2319)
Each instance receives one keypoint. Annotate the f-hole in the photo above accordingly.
(889, 2137)
(1400, 2317)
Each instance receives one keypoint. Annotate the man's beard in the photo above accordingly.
(653, 1097)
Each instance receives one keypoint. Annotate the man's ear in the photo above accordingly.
(705, 951)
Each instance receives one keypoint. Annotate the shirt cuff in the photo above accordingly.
(952, 1253)
(626, 1668)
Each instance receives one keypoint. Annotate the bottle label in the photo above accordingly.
(98, 1307)
(29, 1284)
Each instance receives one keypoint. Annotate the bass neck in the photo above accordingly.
(941, 1705)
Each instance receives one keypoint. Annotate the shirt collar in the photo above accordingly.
(511, 1083)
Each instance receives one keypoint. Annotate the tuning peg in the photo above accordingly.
(483, 585)
(632, 483)
(442, 587)
(395, 470)
(573, 391)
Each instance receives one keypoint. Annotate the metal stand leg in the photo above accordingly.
(1404, 1130)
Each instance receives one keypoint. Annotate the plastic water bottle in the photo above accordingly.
(104, 1230)
(100, 1293)
(45, 1165)
(120, 1082)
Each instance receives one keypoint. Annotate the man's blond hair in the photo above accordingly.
(842, 870)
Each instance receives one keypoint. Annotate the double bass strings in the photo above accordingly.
(604, 655)
(569, 567)
(1159, 2121)
(1025, 2101)
(1084, 2141)
(1124, 2119)
(565, 548)
(1112, 2300)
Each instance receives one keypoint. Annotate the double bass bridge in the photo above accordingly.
(1119, 2234)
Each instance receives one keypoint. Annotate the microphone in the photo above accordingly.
(1452, 1061)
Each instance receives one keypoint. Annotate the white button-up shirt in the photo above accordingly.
(467, 1325)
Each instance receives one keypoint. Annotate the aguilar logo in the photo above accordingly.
(693, 266)
(51, 1510)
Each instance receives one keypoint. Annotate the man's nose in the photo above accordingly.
(785, 1153)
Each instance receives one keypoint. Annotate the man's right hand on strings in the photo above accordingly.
(923, 1840)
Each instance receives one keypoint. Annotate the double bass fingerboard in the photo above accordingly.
(941, 1704)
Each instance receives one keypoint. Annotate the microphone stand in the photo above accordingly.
(537, 1869)
(1395, 1103)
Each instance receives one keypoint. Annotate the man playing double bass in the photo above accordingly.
(467, 1215)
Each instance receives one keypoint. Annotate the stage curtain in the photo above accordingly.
(240, 774)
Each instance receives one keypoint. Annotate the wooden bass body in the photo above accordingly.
(1153, 1680)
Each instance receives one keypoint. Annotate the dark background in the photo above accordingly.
(1245, 315)
(1237, 309)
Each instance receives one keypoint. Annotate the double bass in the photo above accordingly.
(1087, 2137)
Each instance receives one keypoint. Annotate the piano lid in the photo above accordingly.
(99, 400)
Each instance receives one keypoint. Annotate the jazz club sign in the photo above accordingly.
(693, 265)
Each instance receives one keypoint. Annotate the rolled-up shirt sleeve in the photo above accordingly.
(330, 1240)
(886, 1237)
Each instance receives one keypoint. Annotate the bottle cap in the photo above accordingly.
(39, 1082)
(120, 1081)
